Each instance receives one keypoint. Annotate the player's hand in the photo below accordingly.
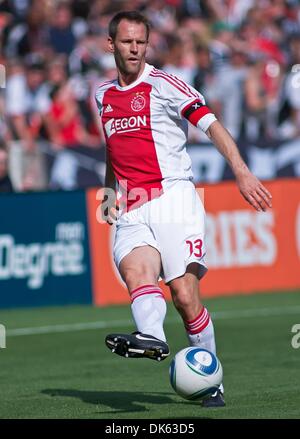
(254, 191)
(112, 214)
(109, 207)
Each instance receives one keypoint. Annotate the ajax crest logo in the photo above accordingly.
(138, 102)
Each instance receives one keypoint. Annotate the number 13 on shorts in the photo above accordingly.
(195, 247)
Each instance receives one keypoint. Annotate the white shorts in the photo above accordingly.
(172, 223)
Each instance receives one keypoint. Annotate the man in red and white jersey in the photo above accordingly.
(160, 227)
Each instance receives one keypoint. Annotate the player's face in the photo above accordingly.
(129, 47)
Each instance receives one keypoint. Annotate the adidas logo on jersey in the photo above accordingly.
(108, 109)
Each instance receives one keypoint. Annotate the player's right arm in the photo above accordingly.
(110, 179)
(109, 208)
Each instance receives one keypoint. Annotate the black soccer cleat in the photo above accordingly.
(137, 345)
(214, 400)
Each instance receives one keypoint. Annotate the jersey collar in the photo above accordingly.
(140, 79)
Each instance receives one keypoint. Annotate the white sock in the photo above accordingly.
(149, 310)
(200, 332)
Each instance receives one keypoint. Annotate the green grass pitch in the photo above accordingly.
(64, 370)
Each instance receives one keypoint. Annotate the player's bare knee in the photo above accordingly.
(137, 276)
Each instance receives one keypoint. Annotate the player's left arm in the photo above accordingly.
(186, 102)
(250, 187)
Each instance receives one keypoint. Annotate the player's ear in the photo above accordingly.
(111, 46)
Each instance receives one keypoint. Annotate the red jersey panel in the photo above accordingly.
(126, 121)
(145, 126)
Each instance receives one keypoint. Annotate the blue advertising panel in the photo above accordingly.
(44, 254)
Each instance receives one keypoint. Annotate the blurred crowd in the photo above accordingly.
(242, 55)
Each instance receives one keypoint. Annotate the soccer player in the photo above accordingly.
(160, 224)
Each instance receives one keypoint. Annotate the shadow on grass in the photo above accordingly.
(118, 402)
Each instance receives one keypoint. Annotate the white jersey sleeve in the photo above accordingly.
(183, 101)
(100, 93)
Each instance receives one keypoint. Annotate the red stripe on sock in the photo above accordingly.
(190, 322)
(146, 290)
(144, 286)
(199, 323)
(161, 296)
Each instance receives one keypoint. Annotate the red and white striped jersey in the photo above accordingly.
(145, 126)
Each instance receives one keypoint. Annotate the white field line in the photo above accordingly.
(219, 315)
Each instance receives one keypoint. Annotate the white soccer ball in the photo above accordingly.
(195, 373)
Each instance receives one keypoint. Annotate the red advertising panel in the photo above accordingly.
(247, 251)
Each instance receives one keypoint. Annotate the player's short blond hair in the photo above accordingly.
(135, 16)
